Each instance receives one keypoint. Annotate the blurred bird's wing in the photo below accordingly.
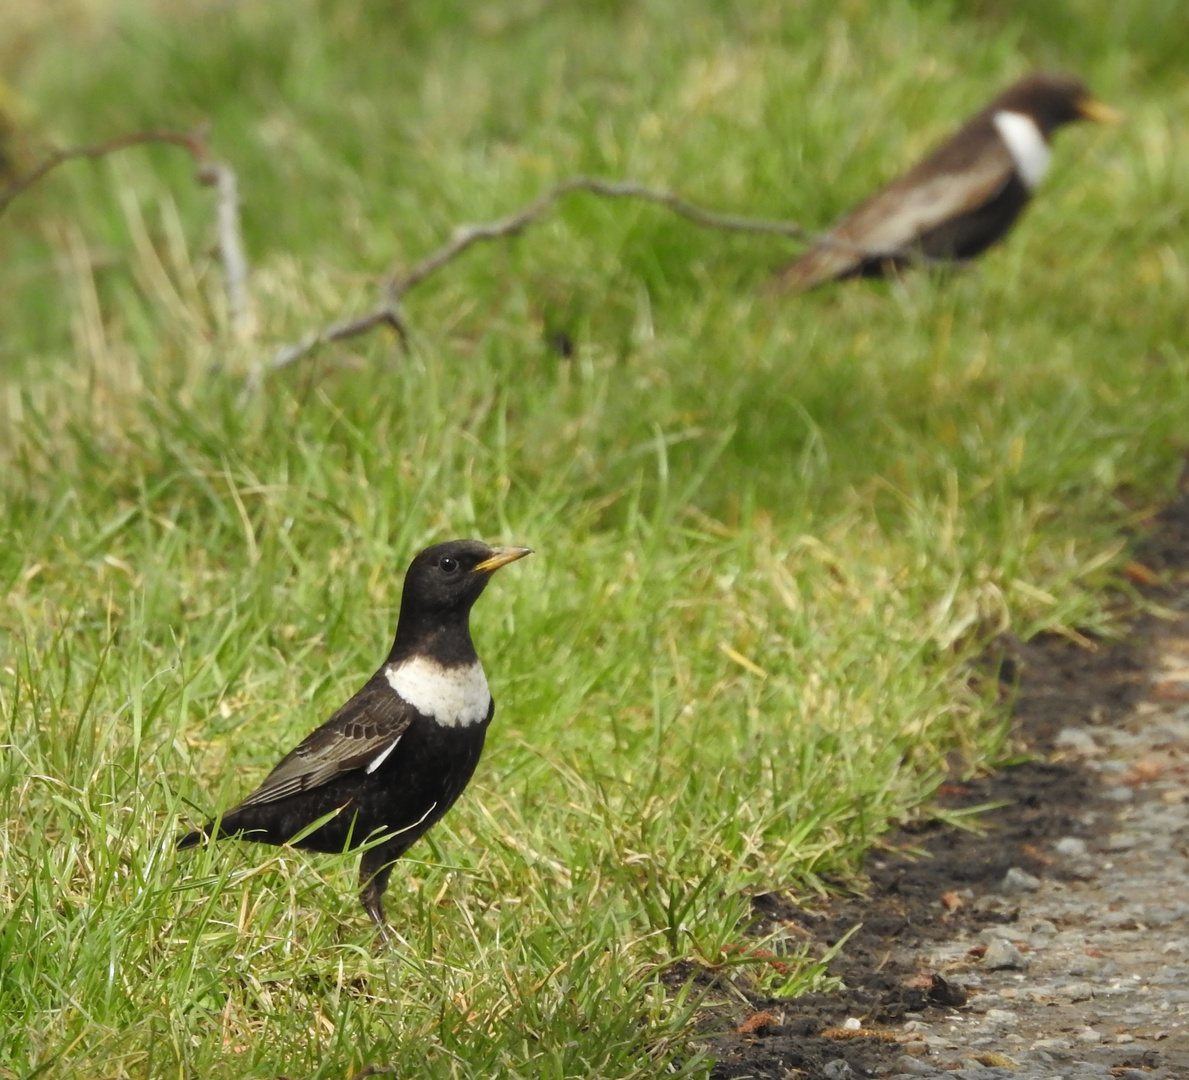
(360, 735)
(954, 180)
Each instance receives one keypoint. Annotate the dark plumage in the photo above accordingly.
(395, 757)
(963, 197)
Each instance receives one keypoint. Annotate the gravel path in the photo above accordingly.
(1056, 945)
(1090, 977)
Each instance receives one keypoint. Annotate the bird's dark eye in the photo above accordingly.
(448, 564)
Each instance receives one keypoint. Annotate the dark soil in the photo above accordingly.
(1057, 684)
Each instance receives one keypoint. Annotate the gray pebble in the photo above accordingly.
(910, 1066)
(1168, 820)
(1078, 740)
(1017, 880)
(1118, 737)
(837, 1069)
(994, 904)
(1162, 916)
(997, 933)
(1002, 955)
(1118, 793)
(1056, 1047)
(1171, 976)
(1072, 846)
(1170, 731)
(1077, 991)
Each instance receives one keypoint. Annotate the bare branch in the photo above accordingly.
(465, 236)
(711, 219)
(231, 247)
(385, 315)
(194, 143)
(213, 173)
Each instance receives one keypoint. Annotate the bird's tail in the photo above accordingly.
(193, 839)
(821, 263)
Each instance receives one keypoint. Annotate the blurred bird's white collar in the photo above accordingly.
(1026, 144)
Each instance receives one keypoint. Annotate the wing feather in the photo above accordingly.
(368, 725)
(950, 182)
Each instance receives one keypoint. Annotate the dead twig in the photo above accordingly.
(388, 311)
(216, 174)
(194, 143)
(467, 235)
(229, 240)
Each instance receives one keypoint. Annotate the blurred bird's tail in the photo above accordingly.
(821, 263)
(193, 839)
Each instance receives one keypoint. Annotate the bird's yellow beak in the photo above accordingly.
(500, 557)
(1098, 111)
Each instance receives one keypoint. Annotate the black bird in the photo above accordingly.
(963, 197)
(394, 759)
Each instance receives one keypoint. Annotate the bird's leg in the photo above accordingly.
(375, 868)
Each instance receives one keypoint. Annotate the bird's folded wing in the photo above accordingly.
(368, 725)
(912, 206)
(890, 221)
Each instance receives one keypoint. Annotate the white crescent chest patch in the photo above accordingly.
(1026, 145)
(453, 696)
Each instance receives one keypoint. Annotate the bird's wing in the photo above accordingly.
(943, 186)
(365, 729)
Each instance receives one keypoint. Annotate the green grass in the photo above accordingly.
(771, 534)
